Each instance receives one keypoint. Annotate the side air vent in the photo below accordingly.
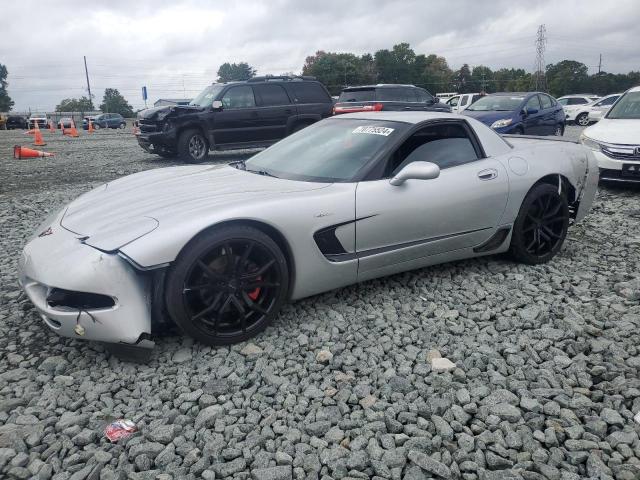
(494, 242)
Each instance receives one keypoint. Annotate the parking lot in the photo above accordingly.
(546, 385)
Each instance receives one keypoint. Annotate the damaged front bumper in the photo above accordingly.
(84, 293)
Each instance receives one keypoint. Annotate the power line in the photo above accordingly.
(539, 81)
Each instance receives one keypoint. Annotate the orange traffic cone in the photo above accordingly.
(73, 131)
(38, 140)
(51, 129)
(90, 129)
(25, 152)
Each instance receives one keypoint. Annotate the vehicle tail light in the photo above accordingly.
(376, 107)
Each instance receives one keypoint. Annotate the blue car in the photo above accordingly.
(523, 113)
(105, 120)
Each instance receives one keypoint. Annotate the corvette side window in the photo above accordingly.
(447, 145)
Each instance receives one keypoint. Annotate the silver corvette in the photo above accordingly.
(218, 249)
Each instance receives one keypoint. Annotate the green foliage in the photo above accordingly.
(231, 72)
(567, 76)
(5, 100)
(335, 70)
(114, 102)
(82, 104)
(401, 64)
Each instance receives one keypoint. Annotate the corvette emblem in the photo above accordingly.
(48, 231)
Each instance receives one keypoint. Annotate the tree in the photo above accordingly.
(230, 72)
(434, 73)
(5, 100)
(337, 70)
(567, 76)
(482, 78)
(462, 79)
(395, 65)
(82, 104)
(114, 102)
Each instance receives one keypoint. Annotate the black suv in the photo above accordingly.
(17, 121)
(253, 113)
(373, 98)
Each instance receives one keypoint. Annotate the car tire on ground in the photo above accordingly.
(541, 225)
(123, 125)
(559, 130)
(96, 126)
(193, 147)
(583, 119)
(518, 131)
(227, 285)
(165, 152)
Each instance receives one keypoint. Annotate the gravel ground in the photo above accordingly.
(346, 384)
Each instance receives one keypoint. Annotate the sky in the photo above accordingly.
(175, 47)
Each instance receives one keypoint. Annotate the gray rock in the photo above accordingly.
(207, 416)
(273, 473)
(428, 464)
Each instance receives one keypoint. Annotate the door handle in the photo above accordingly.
(488, 174)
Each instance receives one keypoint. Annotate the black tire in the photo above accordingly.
(193, 146)
(582, 119)
(559, 130)
(519, 131)
(221, 302)
(165, 153)
(96, 126)
(541, 226)
(123, 125)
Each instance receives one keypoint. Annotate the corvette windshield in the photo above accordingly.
(328, 151)
(626, 107)
(496, 103)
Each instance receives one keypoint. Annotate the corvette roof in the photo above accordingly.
(406, 117)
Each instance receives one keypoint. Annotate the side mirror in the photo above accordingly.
(531, 111)
(217, 105)
(436, 99)
(417, 171)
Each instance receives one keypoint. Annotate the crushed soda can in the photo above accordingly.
(120, 429)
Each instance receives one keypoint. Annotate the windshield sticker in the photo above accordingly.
(384, 131)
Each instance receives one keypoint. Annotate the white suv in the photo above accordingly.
(458, 103)
(597, 109)
(572, 104)
(615, 139)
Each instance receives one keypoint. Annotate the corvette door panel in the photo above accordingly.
(459, 209)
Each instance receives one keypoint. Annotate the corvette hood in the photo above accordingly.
(623, 131)
(119, 212)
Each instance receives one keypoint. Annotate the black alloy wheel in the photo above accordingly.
(227, 285)
(559, 130)
(541, 225)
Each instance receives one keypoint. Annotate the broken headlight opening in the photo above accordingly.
(59, 298)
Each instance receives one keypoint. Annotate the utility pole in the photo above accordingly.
(600, 64)
(539, 80)
(86, 72)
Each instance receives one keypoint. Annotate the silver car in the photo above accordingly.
(218, 249)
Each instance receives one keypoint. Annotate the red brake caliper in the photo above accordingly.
(253, 295)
